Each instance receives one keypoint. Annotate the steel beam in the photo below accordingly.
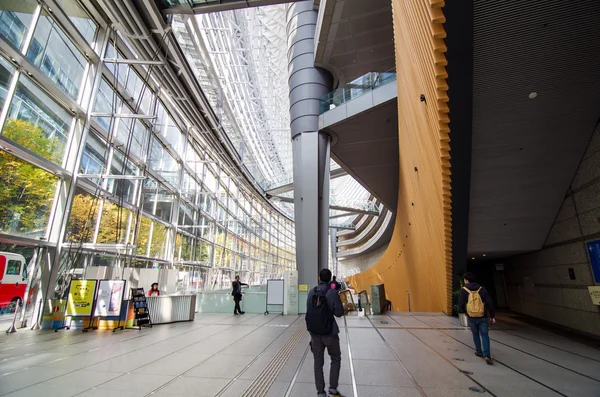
(337, 173)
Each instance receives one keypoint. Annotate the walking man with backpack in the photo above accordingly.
(324, 303)
(476, 302)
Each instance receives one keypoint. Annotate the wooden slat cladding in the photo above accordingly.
(419, 257)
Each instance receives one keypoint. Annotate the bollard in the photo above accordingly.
(12, 329)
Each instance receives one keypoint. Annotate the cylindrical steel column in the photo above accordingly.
(311, 149)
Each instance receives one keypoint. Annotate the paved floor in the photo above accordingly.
(256, 355)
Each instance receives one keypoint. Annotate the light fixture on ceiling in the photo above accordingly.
(473, 258)
(532, 95)
(484, 254)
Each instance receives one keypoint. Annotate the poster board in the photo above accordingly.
(81, 298)
(110, 297)
(274, 292)
(595, 294)
(593, 248)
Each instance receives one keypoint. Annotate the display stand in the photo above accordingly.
(81, 302)
(275, 294)
(109, 300)
(140, 307)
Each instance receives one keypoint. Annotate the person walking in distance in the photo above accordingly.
(237, 295)
(322, 305)
(476, 302)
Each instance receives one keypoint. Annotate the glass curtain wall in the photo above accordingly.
(100, 168)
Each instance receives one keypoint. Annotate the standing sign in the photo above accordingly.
(81, 297)
(593, 248)
(110, 296)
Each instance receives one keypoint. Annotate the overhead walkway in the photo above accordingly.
(207, 6)
(402, 354)
(362, 118)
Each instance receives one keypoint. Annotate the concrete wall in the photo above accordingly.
(419, 256)
(352, 266)
(538, 283)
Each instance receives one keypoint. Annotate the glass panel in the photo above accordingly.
(186, 217)
(140, 93)
(202, 253)
(159, 240)
(37, 123)
(169, 130)
(82, 21)
(163, 163)
(104, 104)
(114, 224)
(132, 134)
(6, 72)
(82, 221)
(190, 188)
(15, 18)
(93, 160)
(55, 55)
(119, 72)
(124, 188)
(26, 196)
(157, 199)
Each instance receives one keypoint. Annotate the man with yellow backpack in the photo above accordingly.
(476, 302)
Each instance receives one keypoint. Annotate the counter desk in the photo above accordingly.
(171, 308)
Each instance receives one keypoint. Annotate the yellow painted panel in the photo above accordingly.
(419, 257)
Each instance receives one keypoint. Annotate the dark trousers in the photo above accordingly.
(237, 299)
(318, 345)
(479, 328)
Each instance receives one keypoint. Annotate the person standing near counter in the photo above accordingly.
(237, 295)
(154, 291)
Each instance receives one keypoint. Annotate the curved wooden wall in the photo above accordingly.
(419, 256)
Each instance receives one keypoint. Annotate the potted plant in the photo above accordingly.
(462, 317)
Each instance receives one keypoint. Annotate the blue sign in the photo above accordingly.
(594, 253)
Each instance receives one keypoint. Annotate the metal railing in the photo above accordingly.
(356, 88)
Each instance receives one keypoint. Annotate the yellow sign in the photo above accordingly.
(303, 287)
(595, 294)
(81, 297)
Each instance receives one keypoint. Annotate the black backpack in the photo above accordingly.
(319, 319)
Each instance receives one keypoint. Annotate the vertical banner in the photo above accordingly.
(110, 296)
(290, 302)
(81, 297)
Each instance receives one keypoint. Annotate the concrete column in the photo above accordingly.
(311, 149)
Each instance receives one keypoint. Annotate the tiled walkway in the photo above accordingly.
(222, 355)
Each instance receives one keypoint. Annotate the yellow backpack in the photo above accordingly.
(475, 307)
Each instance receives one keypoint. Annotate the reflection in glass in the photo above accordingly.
(26, 196)
(56, 56)
(37, 123)
(15, 18)
(6, 72)
(82, 21)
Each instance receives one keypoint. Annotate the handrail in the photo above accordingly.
(356, 88)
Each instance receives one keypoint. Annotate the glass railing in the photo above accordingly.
(356, 88)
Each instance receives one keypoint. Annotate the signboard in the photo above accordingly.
(55, 310)
(593, 248)
(81, 297)
(303, 287)
(595, 294)
(500, 266)
(110, 296)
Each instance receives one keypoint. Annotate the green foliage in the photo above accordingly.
(460, 279)
(26, 192)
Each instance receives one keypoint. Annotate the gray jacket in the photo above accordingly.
(333, 301)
